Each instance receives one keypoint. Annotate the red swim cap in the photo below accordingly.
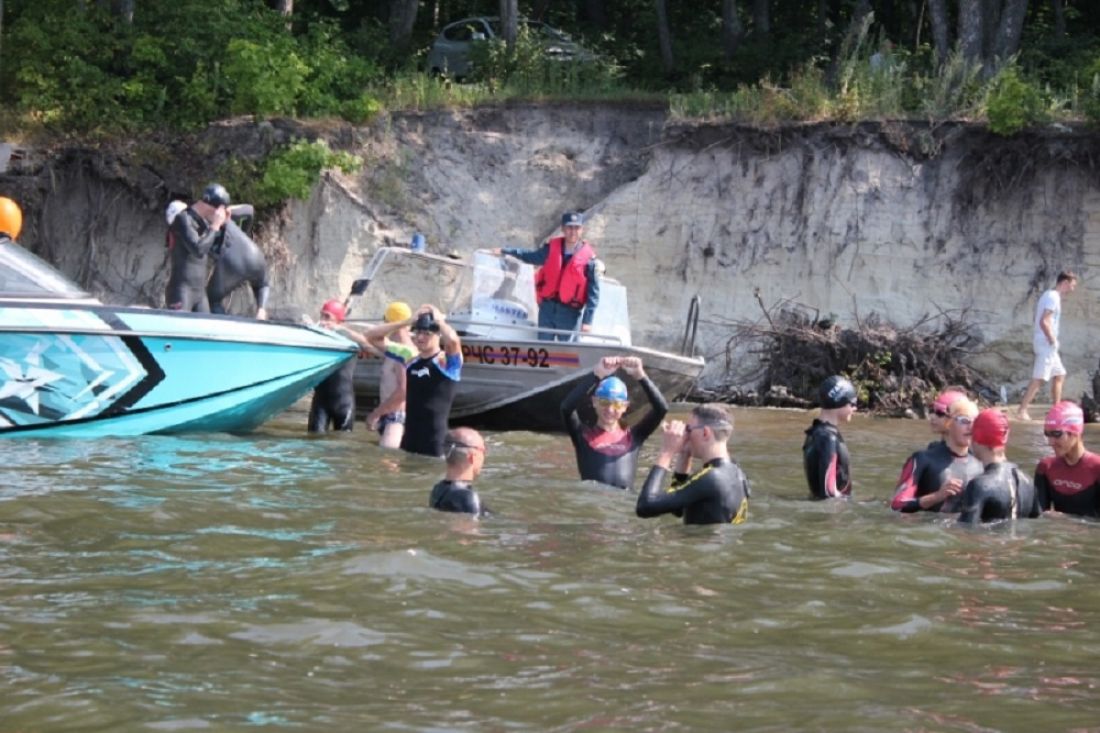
(335, 309)
(991, 429)
(946, 399)
(1065, 416)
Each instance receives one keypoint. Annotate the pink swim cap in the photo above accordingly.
(945, 399)
(1065, 416)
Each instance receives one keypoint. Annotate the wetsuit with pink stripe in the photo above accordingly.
(926, 471)
(825, 459)
(1070, 489)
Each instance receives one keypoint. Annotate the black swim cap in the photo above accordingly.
(216, 195)
(425, 322)
(836, 391)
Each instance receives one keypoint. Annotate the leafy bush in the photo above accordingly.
(1013, 103)
(265, 78)
(290, 172)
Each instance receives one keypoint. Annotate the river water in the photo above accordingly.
(280, 582)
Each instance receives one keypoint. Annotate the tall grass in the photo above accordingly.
(873, 81)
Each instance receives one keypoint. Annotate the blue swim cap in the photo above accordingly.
(612, 388)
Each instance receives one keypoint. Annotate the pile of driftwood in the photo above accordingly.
(897, 371)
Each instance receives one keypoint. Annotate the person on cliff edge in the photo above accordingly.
(1044, 342)
(195, 232)
(567, 284)
(824, 453)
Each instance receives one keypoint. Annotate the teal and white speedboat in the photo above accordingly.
(73, 366)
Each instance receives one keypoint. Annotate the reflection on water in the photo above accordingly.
(285, 581)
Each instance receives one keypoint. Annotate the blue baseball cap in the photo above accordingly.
(612, 388)
(572, 219)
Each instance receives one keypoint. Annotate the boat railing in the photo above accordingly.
(691, 327)
(473, 328)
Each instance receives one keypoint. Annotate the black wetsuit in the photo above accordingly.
(241, 260)
(333, 402)
(718, 493)
(1071, 489)
(1003, 491)
(926, 471)
(610, 457)
(825, 460)
(192, 239)
(429, 391)
(456, 496)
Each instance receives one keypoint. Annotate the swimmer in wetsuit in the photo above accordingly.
(608, 452)
(933, 478)
(240, 261)
(464, 451)
(1069, 480)
(1002, 491)
(718, 492)
(333, 404)
(824, 453)
(431, 380)
(194, 233)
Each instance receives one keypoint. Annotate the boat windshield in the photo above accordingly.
(25, 275)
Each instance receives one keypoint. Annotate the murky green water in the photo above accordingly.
(281, 582)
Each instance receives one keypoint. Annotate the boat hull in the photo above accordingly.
(520, 384)
(94, 370)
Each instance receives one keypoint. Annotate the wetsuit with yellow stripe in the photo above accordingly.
(715, 494)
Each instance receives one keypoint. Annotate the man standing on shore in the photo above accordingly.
(1048, 364)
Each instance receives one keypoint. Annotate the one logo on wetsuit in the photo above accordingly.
(1071, 486)
(421, 372)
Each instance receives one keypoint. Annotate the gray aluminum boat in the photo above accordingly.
(511, 380)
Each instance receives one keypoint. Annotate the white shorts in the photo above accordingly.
(1047, 362)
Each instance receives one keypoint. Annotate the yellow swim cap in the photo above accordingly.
(11, 218)
(398, 311)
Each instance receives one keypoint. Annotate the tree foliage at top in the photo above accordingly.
(128, 64)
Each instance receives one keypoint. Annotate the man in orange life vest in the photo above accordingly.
(566, 285)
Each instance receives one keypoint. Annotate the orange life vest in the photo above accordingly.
(568, 285)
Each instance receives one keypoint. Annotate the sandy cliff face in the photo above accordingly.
(897, 220)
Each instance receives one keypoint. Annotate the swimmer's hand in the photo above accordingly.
(951, 487)
(673, 437)
(606, 366)
(632, 365)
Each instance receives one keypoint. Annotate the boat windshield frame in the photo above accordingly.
(25, 275)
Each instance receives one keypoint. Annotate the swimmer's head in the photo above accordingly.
(397, 311)
(464, 449)
(333, 310)
(612, 388)
(991, 429)
(962, 407)
(215, 195)
(11, 218)
(944, 401)
(716, 417)
(1066, 417)
(836, 392)
(425, 323)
